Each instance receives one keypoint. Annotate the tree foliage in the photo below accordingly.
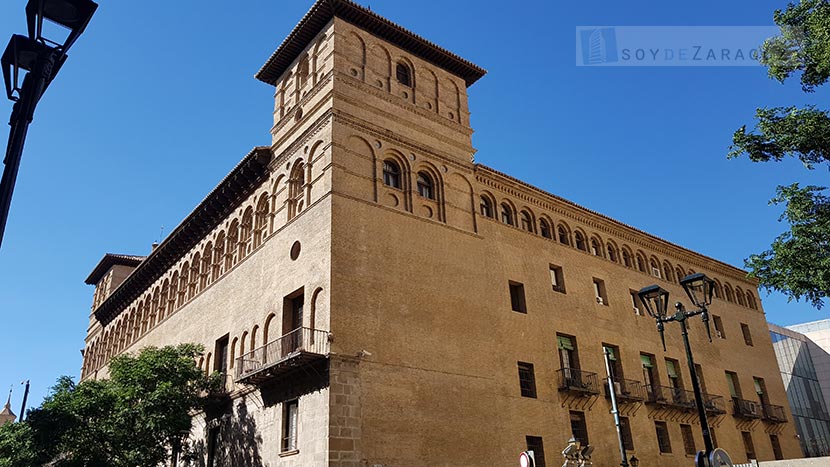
(133, 418)
(797, 263)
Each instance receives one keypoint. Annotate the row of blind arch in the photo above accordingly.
(595, 246)
(201, 269)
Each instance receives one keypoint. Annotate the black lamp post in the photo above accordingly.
(38, 58)
(699, 288)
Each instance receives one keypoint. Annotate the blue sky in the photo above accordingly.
(157, 102)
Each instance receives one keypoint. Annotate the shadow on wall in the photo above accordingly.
(229, 440)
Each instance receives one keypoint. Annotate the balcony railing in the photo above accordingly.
(627, 390)
(774, 413)
(746, 409)
(714, 404)
(675, 397)
(299, 347)
(575, 380)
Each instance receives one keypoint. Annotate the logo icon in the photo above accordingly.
(599, 45)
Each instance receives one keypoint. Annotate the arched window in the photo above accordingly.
(506, 214)
(717, 290)
(596, 249)
(245, 232)
(579, 239)
(486, 207)
(302, 71)
(527, 223)
(563, 235)
(626, 257)
(612, 253)
(261, 221)
(727, 290)
(750, 300)
(739, 296)
(641, 264)
(391, 174)
(544, 229)
(678, 271)
(667, 272)
(426, 188)
(295, 191)
(404, 74)
(655, 268)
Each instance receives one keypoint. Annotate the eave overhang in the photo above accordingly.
(324, 11)
(217, 206)
(108, 261)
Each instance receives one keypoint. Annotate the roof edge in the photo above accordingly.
(108, 261)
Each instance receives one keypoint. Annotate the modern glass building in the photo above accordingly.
(798, 357)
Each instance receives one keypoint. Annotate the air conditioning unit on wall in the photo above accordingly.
(637, 311)
(600, 301)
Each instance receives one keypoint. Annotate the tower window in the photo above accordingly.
(486, 207)
(425, 186)
(404, 74)
(391, 174)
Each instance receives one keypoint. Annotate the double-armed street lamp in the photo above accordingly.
(699, 288)
(30, 63)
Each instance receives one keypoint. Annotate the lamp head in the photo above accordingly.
(699, 288)
(634, 462)
(655, 299)
(73, 15)
(21, 54)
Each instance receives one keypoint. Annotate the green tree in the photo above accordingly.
(798, 262)
(133, 418)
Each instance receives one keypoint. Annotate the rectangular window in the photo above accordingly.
(289, 426)
(718, 327)
(557, 278)
(578, 427)
(599, 291)
(616, 361)
(747, 335)
(517, 297)
(639, 309)
(673, 370)
(568, 357)
(625, 432)
(734, 386)
(663, 440)
(534, 443)
(761, 390)
(688, 440)
(748, 445)
(213, 447)
(527, 379)
(650, 376)
(776, 447)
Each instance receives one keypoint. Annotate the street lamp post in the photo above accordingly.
(39, 58)
(699, 288)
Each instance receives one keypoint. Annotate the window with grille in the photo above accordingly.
(289, 426)
(748, 445)
(534, 443)
(527, 380)
(688, 440)
(663, 440)
(747, 335)
(625, 432)
(776, 447)
(579, 428)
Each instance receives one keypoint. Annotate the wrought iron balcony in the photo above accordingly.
(298, 348)
(714, 404)
(746, 409)
(670, 396)
(576, 380)
(627, 390)
(774, 413)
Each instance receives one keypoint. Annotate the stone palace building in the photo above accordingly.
(377, 299)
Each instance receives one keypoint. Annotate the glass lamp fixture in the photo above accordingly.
(699, 288)
(73, 15)
(656, 301)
